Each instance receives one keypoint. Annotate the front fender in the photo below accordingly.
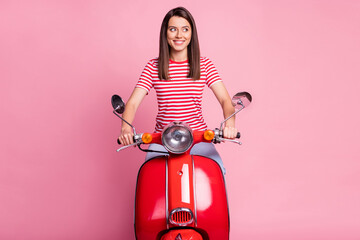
(182, 234)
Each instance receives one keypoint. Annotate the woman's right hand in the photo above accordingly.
(127, 136)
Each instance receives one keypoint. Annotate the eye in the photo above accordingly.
(172, 29)
(185, 29)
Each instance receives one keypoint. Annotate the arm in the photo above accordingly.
(126, 135)
(224, 99)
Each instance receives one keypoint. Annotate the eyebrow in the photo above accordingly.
(182, 26)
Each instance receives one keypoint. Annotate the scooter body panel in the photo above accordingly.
(150, 200)
(211, 200)
(180, 189)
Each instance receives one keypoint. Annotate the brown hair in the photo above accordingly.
(193, 47)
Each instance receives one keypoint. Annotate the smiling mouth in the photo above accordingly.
(178, 42)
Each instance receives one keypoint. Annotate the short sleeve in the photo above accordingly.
(212, 75)
(146, 78)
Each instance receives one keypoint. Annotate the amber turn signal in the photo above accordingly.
(209, 135)
(146, 138)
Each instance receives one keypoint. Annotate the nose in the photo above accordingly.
(178, 34)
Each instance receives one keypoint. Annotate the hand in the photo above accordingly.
(127, 136)
(230, 132)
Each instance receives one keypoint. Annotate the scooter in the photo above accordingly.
(180, 196)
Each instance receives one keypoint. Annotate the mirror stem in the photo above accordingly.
(231, 116)
(125, 121)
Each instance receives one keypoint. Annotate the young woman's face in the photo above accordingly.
(178, 34)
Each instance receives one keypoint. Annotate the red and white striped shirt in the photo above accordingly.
(180, 98)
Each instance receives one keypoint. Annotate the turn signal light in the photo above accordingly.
(146, 138)
(209, 135)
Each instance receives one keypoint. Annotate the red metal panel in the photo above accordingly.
(150, 207)
(211, 200)
(180, 188)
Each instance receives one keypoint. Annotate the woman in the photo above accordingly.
(179, 76)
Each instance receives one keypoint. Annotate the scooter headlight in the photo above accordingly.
(177, 137)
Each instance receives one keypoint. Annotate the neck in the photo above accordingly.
(178, 56)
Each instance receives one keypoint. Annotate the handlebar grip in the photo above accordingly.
(118, 141)
(238, 135)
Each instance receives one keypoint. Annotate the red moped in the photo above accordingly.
(180, 195)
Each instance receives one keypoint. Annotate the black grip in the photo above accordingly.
(118, 140)
(238, 135)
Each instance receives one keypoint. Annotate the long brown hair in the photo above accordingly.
(193, 47)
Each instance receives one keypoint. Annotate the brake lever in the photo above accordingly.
(229, 140)
(124, 147)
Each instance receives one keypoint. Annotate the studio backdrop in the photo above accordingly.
(296, 175)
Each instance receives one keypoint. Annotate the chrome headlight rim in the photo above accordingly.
(182, 126)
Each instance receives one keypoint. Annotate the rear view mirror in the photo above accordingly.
(241, 100)
(118, 104)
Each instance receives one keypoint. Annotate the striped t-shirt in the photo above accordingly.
(180, 98)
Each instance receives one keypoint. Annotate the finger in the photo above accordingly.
(233, 133)
(129, 139)
(122, 140)
(225, 132)
(125, 141)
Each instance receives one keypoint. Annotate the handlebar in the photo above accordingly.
(198, 137)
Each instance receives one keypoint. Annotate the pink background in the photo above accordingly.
(297, 175)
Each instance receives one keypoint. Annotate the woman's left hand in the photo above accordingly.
(230, 132)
